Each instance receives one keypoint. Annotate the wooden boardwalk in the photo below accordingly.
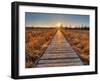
(59, 53)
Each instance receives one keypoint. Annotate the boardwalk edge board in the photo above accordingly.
(59, 58)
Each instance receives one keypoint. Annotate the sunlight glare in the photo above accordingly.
(58, 25)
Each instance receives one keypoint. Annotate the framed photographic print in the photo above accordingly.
(51, 40)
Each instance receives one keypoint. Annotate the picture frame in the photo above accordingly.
(20, 69)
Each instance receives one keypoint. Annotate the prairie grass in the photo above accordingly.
(36, 42)
(79, 40)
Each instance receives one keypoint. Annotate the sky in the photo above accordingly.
(51, 20)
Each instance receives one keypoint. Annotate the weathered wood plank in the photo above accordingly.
(57, 56)
(59, 64)
(59, 61)
(59, 53)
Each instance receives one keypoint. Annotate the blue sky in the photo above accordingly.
(50, 20)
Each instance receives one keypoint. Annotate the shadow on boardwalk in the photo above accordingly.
(59, 53)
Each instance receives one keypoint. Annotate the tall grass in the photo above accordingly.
(79, 39)
(36, 42)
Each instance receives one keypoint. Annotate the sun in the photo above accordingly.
(58, 25)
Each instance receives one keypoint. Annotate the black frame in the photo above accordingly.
(15, 39)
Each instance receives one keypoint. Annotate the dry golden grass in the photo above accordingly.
(36, 42)
(79, 39)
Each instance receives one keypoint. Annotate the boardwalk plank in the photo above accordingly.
(59, 61)
(59, 53)
(57, 56)
(59, 64)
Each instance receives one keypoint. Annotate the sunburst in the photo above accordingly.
(58, 25)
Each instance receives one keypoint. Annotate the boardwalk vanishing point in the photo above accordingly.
(59, 53)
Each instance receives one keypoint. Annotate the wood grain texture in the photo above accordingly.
(59, 53)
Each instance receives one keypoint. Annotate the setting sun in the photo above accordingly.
(58, 25)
